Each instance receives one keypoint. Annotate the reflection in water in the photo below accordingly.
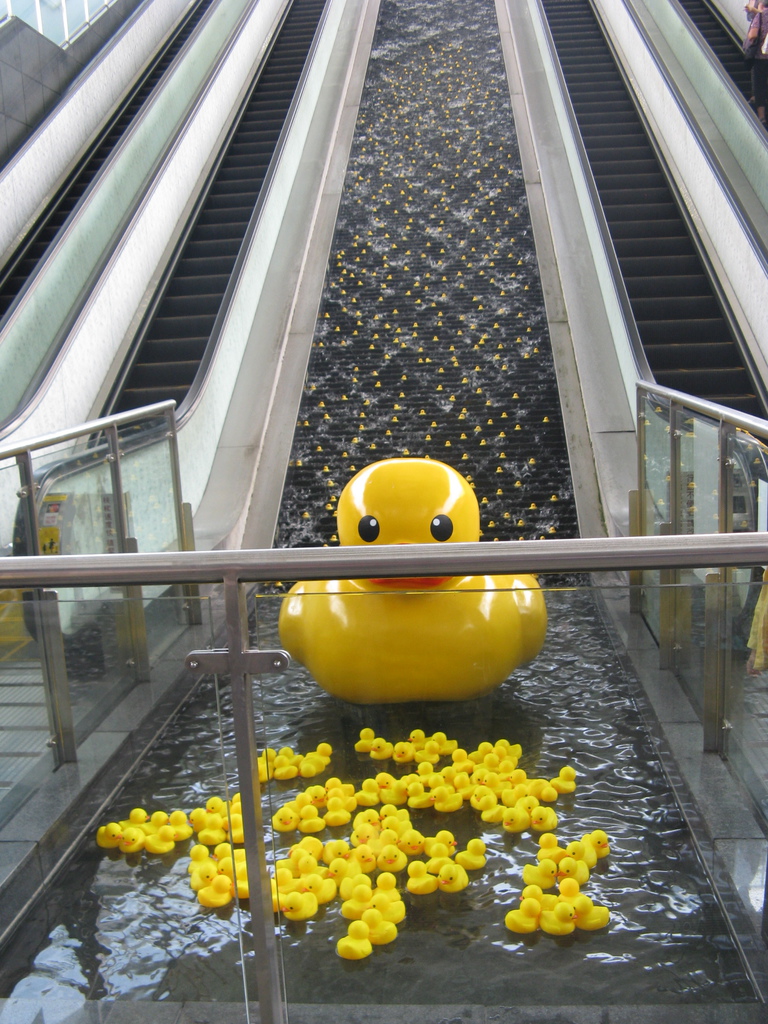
(135, 931)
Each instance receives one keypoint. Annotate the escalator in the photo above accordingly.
(722, 40)
(173, 338)
(36, 244)
(689, 338)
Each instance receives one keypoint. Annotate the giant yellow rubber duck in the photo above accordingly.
(397, 640)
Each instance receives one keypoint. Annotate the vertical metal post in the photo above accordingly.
(635, 575)
(713, 663)
(137, 624)
(667, 610)
(268, 975)
(39, 17)
(55, 680)
(65, 20)
(183, 526)
(191, 591)
(26, 494)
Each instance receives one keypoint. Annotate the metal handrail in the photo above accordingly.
(593, 554)
(720, 413)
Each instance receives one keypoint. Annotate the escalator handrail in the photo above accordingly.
(57, 349)
(198, 384)
(189, 404)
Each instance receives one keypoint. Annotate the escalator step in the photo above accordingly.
(665, 332)
(668, 286)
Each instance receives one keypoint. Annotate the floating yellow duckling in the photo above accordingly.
(569, 867)
(323, 889)
(543, 874)
(558, 921)
(543, 819)
(452, 878)
(549, 847)
(565, 781)
(368, 795)
(219, 893)
(420, 881)
(363, 745)
(407, 647)
(525, 919)
(351, 882)
(298, 906)
(162, 841)
(360, 900)
(132, 840)
(181, 826)
(599, 842)
(136, 818)
(589, 916)
(391, 859)
(391, 910)
(473, 858)
(108, 836)
(356, 944)
(380, 931)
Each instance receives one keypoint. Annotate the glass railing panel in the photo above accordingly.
(89, 694)
(571, 706)
(128, 923)
(698, 474)
(149, 487)
(655, 463)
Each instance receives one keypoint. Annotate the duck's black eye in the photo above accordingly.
(368, 528)
(441, 527)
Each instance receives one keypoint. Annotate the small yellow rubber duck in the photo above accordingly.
(391, 859)
(368, 795)
(550, 848)
(136, 818)
(108, 836)
(543, 874)
(298, 906)
(348, 884)
(162, 841)
(452, 878)
(391, 910)
(181, 826)
(599, 841)
(543, 819)
(589, 916)
(132, 840)
(420, 881)
(565, 781)
(363, 745)
(569, 867)
(360, 900)
(380, 931)
(473, 858)
(381, 749)
(525, 919)
(356, 944)
(559, 921)
(219, 893)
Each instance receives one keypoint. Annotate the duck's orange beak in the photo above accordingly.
(412, 582)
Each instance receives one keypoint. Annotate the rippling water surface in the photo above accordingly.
(135, 930)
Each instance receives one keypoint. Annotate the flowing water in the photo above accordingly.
(113, 928)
